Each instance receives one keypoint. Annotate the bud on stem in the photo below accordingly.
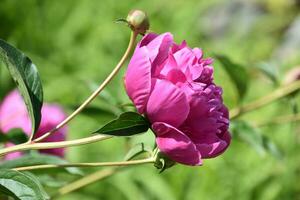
(138, 21)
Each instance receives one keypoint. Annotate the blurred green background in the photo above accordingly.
(75, 44)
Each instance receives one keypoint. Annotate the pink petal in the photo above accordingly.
(167, 103)
(184, 58)
(159, 48)
(212, 145)
(138, 78)
(198, 53)
(176, 145)
(13, 113)
(177, 47)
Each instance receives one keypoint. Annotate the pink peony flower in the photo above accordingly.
(13, 114)
(172, 85)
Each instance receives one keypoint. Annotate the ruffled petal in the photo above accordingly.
(176, 145)
(212, 145)
(167, 103)
(138, 78)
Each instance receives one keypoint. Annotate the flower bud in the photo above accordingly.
(163, 162)
(292, 75)
(138, 21)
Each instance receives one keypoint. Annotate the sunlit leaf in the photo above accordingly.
(21, 186)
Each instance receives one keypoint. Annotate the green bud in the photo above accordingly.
(138, 21)
(162, 162)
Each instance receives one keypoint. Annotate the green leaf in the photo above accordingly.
(251, 135)
(127, 124)
(269, 70)
(26, 76)
(21, 186)
(237, 73)
(16, 136)
(39, 159)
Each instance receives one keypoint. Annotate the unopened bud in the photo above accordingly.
(138, 21)
(292, 75)
(163, 162)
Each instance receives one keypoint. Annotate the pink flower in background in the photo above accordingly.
(13, 114)
(173, 86)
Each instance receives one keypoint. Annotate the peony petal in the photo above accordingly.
(177, 47)
(159, 48)
(167, 103)
(185, 57)
(138, 78)
(13, 113)
(213, 146)
(176, 145)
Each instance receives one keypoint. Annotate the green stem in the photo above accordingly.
(277, 94)
(279, 120)
(97, 91)
(97, 164)
(86, 180)
(53, 145)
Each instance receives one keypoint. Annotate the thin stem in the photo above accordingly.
(52, 145)
(279, 120)
(86, 180)
(98, 90)
(277, 94)
(97, 164)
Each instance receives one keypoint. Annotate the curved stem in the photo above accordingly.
(52, 145)
(277, 94)
(86, 180)
(279, 120)
(95, 94)
(97, 164)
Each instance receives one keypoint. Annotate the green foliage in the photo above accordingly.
(127, 124)
(16, 136)
(26, 76)
(237, 73)
(39, 159)
(21, 186)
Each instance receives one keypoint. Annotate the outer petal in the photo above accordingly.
(138, 78)
(167, 103)
(176, 145)
(52, 115)
(159, 48)
(213, 146)
(13, 113)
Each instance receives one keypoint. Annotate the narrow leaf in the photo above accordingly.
(237, 73)
(39, 159)
(26, 76)
(127, 124)
(251, 135)
(20, 186)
